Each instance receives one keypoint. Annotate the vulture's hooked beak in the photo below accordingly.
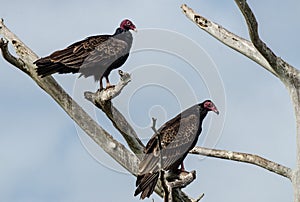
(214, 109)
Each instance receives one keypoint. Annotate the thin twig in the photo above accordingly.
(199, 198)
(167, 189)
(153, 127)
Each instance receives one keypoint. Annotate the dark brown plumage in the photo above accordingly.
(94, 56)
(178, 136)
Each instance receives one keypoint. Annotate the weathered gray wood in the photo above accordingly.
(246, 158)
(228, 38)
(102, 100)
(259, 52)
(289, 75)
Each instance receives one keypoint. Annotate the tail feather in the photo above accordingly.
(146, 184)
(46, 67)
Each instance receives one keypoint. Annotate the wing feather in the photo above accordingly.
(178, 136)
(106, 53)
(95, 55)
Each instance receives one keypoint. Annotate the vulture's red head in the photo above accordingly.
(127, 25)
(210, 106)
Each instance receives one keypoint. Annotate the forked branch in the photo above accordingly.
(286, 71)
(102, 100)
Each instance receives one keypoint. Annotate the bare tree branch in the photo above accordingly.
(185, 197)
(101, 100)
(245, 158)
(110, 93)
(231, 40)
(288, 73)
(178, 180)
(184, 178)
(167, 189)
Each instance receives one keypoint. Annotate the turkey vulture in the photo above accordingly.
(94, 56)
(178, 136)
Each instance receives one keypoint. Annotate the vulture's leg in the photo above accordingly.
(182, 167)
(108, 85)
(101, 84)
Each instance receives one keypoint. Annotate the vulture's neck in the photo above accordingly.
(203, 113)
(124, 35)
(119, 31)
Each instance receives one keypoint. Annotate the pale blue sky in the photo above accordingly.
(42, 157)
